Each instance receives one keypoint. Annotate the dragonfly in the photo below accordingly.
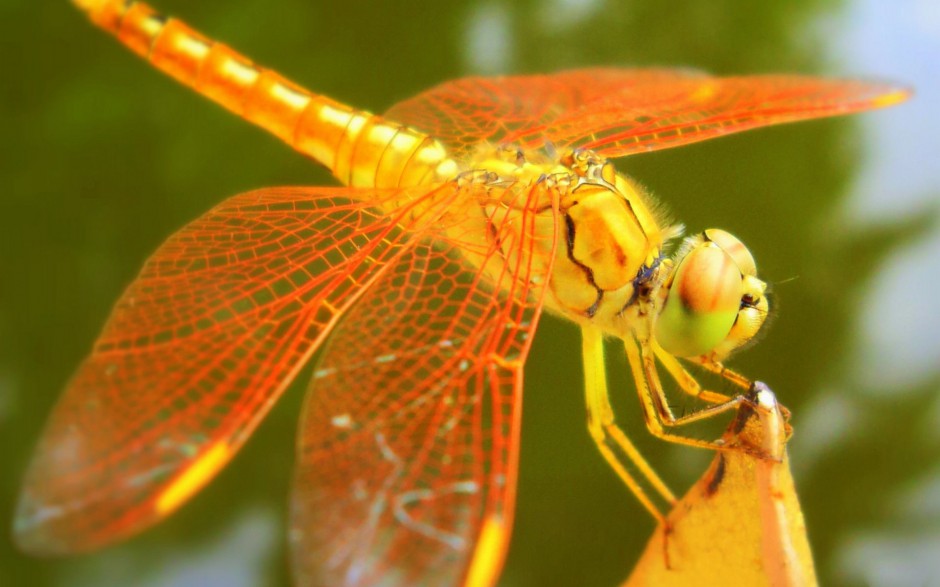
(465, 213)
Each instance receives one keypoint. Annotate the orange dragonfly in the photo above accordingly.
(467, 211)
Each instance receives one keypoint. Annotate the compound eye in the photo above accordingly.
(702, 302)
(751, 317)
(734, 247)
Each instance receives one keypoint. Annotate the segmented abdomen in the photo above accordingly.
(360, 148)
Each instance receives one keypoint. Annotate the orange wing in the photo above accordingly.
(465, 112)
(195, 353)
(628, 111)
(409, 445)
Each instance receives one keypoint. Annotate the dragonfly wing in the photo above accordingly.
(195, 353)
(468, 111)
(409, 444)
(670, 113)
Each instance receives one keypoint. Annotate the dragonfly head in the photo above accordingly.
(712, 302)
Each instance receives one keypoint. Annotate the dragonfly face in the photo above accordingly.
(712, 302)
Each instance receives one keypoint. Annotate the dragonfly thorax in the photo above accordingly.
(609, 269)
(609, 238)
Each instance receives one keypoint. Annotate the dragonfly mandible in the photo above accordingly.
(466, 211)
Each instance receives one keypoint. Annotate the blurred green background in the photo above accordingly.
(103, 158)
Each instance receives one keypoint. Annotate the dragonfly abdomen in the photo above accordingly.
(364, 150)
(360, 148)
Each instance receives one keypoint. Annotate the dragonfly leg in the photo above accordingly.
(685, 380)
(718, 369)
(735, 378)
(656, 409)
(612, 442)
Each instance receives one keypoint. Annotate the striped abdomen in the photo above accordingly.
(361, 149)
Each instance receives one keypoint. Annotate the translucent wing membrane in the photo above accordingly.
(620, 112)
(664, 115)
(196, 351)
(465, 112)
(408, 448)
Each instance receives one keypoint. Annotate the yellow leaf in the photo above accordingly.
(741, 523)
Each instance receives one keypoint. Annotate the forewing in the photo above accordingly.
(468, 111)
(670, 113)
(618, 112)
(409, 445)
(195, 353)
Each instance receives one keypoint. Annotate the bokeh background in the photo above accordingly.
(102, 158)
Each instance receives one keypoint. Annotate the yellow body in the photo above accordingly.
(597, 242)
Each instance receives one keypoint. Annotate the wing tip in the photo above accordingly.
(31, 531)
(895, 95)
(89, 5)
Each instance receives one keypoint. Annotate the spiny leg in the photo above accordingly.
(739, 380)
(685, 380)
(691, 386)
(656, 410)
(724, 372)
(612, 442)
